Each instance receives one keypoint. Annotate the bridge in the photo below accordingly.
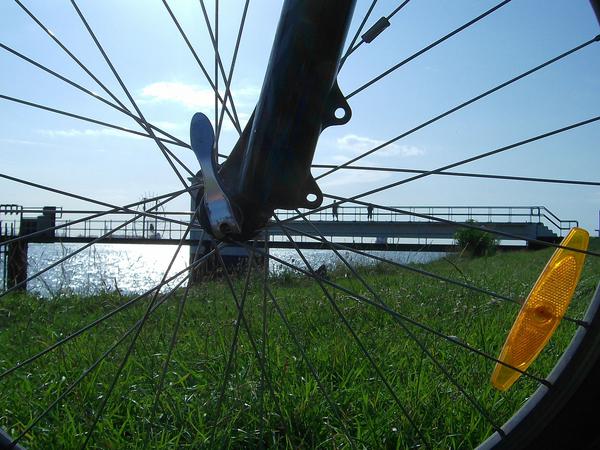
(387, 228)
(399, 228)
(413, 227)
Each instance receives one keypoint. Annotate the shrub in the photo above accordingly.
(475, 242)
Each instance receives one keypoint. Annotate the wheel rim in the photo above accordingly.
(242, 378)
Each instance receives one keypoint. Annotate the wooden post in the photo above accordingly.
(16, 269)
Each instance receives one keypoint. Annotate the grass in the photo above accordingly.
(289, 410)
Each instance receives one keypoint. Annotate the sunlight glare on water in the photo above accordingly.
(133, 269)
(130, 269)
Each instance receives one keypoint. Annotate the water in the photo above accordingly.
(130, 269)
(133, 269)
(316, 258)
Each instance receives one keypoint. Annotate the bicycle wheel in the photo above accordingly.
(365, 347)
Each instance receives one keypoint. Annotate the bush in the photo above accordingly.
(475, 242)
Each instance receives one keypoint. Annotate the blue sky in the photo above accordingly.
(166, 83)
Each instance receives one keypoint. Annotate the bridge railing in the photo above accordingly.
(156, 228)
(138, 229)
(508, 214)
(68, 226)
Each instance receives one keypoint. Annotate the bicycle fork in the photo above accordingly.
(269, 167)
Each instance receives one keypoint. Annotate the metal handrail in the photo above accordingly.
(540, 214)
(141, 228)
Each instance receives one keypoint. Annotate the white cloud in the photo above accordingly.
(195, 97)
(24, 142)
(404, 151)
(190, 96)
(358, 145)
(90, 132)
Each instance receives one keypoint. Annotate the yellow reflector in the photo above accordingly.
(543, 309)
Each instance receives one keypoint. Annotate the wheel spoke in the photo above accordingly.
(395, 314)
(172, 343)
(202, 68)
(105, 317)
(90, 93)
(105, 124)
(340, 200)
(460, 174)
(85, 219)
(358, 341)
(263, 346)
(91, 120)
(92, 367)
(246, 325)
(70, 54)
(138, 330)
(219, 65)
(311, 367)
(355, 198)
(425, 273)
(217, 60)
(474, 402)
(464, 104)
(82, 248)
(234, 339)
(114, 208)
(363, 22)
(229, 78)
(352, 48)
(144, 123)
(429, 47)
